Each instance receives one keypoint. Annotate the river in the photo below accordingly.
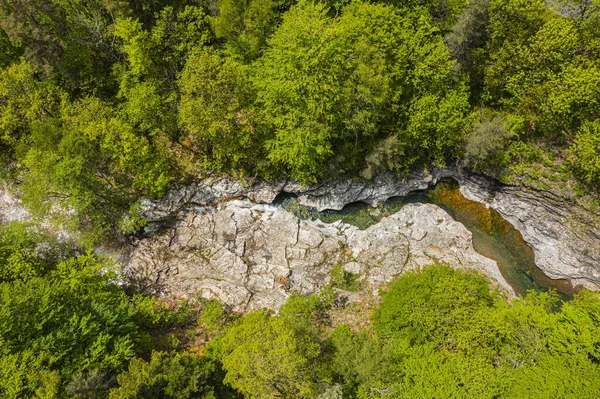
(493, 236)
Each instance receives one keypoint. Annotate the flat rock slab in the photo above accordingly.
(256, 257)
(565, 237)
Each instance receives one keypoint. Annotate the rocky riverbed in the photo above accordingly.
(225, 239)
(255, 257)
(564, 237)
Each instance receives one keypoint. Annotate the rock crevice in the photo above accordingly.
(564, 237)
(264, 255)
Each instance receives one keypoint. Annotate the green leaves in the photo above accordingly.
(21, 255)
(67, 321)
(296, 85)
(332, 86)
(24, 100)
(585, 154)
(246, 25)
(543, 70)
(442, 333)
(426, 306)
(265, 358)
(160, 52)
(93, 162)
(217, 116)
(174, 376)
(437, 123)
(65, 326)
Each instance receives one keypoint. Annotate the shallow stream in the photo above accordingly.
(493, 236)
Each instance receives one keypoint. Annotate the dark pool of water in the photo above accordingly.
(493, 236)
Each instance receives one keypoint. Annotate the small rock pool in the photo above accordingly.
(493, 236)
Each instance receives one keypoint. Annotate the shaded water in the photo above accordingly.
(493, 236)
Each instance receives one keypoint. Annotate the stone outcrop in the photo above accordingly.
(329, 195)
(210, 191)
(255, 257)
(384, 186)
(565, 238)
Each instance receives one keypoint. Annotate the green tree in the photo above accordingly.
(444, 11)
(246, 25)
(154, 59)
(217, 116)
(24, 99)
(466, 42)
(298, 109)
(556, 376)
(265, 358)
(8, 52)
(332, 88)
(569, 100)
(437, 123)
(486, 145)
(68, 40)
(557, 350)
(363, 361)
(27, 252)
(327, 86)
(508, 35)
(455, 376)
(56, 325)
(541, 69)
(94, 163)
(90, 384)
(584, 154)
(427, 306)
(170, 375)
(575, 334)
(160, 52)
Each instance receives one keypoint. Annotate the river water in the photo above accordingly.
(493, 236)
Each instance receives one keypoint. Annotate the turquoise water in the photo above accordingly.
(493, 236)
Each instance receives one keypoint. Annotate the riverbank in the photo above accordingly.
(535, 239)
(563, 236)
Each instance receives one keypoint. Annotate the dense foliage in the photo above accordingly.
(106, 102)
(440, 333)
(68, 330)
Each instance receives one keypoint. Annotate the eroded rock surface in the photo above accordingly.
(255, 258)
(565, 238)
(327, 195)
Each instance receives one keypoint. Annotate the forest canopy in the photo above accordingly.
(69, 331)
(106, 102)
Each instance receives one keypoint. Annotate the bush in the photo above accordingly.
(170, 376)
(584, 154)
(264, 357)
(426, 306)
(489, 137)
(69, 320)
(344, 280)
